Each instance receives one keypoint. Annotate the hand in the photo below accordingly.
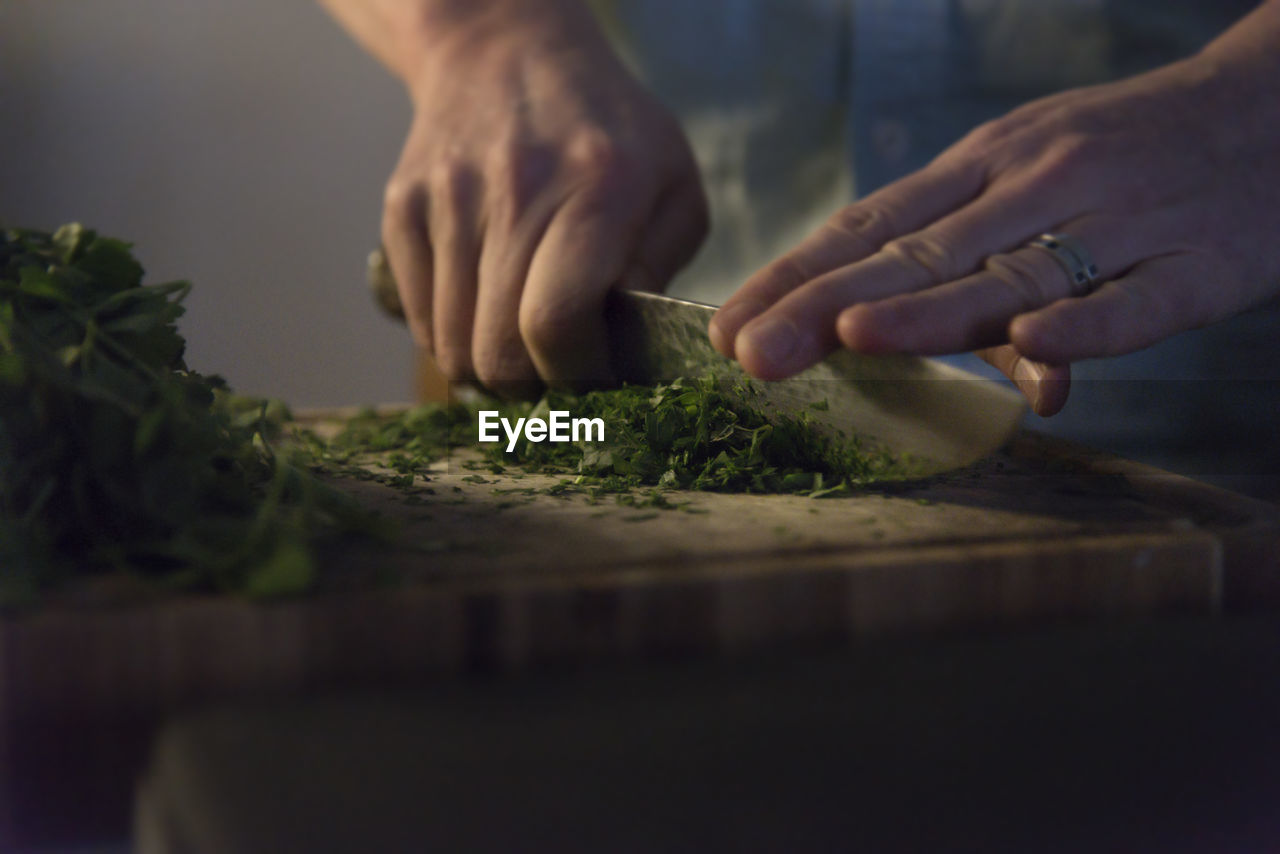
(1167, 179)
(537, 175)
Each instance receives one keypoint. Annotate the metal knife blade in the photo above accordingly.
(940, 415)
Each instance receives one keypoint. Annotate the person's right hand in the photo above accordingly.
(537, 174)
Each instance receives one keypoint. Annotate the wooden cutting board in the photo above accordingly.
(491, 578)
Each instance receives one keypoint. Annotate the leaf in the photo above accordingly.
(110, 263)
(13, 370)
(287, 570)
(157, 294)
(70, 241)
(798, 481)
(595, 459)
(35, 282)
(136, 323)
(149, 427)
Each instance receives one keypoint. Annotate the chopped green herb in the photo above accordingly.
(697, 435)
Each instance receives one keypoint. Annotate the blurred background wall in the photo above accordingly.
(238, 144)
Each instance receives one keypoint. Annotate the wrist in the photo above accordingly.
(438, 31)
(1243, 63)
(1238, 97)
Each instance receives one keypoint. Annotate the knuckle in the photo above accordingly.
(989, 134)
(453, 361)
(597, 156)
(452, 183)
(868, 225)
(991, 146)
(1068, 157)
(519, 171)
(403, 203)
(502, 362)
(1023, 277)
(546, 323)
(926, 257)
(780, 277)
(984, 136)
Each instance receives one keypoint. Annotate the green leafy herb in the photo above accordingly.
(701, 435)
(693, 435)
(114, 455)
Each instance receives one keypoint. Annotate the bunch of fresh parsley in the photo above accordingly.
(113, 455)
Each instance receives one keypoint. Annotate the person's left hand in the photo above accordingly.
(1168, 180)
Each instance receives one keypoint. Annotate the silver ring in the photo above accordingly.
(1073, 258)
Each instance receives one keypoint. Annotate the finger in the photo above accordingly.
(1044, 386)
(801, 328)
(586, 250)
(406, 239)
(498, 351)
(1158, 298)
(974, 311)
(676, 229)
(852, 234)
(455, 241)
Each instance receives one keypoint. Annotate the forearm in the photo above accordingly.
(1238, 74)
(1253, 40)
(401, 33)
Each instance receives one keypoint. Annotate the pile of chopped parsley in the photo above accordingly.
(703, 435)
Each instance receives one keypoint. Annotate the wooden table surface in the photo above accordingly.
(1142, 735)
(488, 578)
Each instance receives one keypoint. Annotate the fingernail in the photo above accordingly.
(774, 340)
(727, 322)
(1027, 377)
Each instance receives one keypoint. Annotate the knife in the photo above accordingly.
(938, 415)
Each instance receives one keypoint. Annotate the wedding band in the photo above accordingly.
(1073, 258)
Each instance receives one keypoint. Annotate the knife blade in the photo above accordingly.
(939, 415)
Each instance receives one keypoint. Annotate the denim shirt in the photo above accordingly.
(796, 107)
